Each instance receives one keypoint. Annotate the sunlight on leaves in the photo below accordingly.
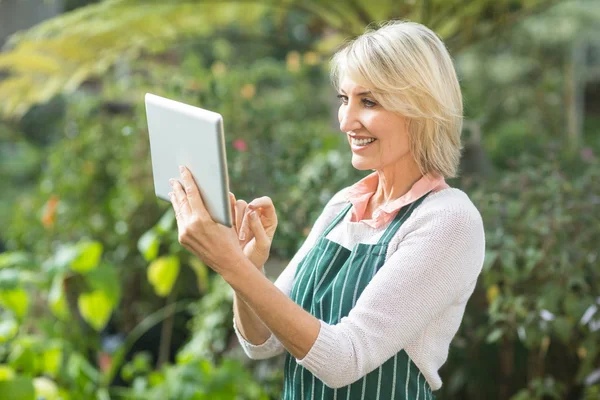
(88, 258)
(95, 308)
(162, 274)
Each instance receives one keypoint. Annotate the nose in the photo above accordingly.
(349, 118)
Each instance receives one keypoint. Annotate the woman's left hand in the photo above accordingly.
(214, 244)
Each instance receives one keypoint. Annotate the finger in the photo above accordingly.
(174, 204)
(240, 210)
(268, 216)
(180, 198)
(194, 199)
(232, 205)
(262, 239)
(266, 204)
(245, 230)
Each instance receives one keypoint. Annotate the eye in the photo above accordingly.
(343, 99)
(369, 103)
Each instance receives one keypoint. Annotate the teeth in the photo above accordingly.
(362, 142)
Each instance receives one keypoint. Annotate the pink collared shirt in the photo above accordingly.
(360, 193)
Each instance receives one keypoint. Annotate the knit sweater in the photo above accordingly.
(415, 302)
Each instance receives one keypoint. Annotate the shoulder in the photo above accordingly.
(447, 217)
(446, 225)
(451, 207)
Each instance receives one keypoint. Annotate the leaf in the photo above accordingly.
(16, 300)
(20, 388)
(106, 278)
(45, 388)
(24, 353)
(8, 330)
(494, 335)
(9, 279)
(148, 245)
(162, 274)
(89, 254)
(562, 328)
(57, 300)
(61, 260)
(492, 293)
(201, 271)
(95, 308)
(6, 373)
(14, 259)
(52, 360)
(165, 224)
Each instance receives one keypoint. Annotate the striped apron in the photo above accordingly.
(327, 283)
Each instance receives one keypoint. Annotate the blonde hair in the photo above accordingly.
(409, 71)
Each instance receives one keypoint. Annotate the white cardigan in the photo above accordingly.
(415, 302)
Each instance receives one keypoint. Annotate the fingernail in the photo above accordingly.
(181, 169)
(172, 182)
(253, 215)
(242, 236)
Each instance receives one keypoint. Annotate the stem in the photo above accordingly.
(166, 334)
(137, 332)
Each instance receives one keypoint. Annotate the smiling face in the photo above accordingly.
(363, 119)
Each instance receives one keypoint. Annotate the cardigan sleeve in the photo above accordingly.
(272, 346)
(435, 263)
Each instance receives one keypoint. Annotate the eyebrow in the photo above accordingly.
(358, 94)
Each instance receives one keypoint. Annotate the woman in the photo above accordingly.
(368, 306)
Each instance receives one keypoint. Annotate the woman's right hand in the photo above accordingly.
(256, 235)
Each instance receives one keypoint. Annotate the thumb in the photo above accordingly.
(258, 230)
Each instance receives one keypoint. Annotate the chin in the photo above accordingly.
(362, 164)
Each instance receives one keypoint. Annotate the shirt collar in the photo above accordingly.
(360, 193)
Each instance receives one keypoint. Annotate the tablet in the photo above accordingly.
(181, 134)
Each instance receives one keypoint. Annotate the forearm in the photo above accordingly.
(296, 329)
(248, 323)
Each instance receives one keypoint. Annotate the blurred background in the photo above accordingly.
(99, 301)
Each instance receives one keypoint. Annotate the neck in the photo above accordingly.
(396, 180)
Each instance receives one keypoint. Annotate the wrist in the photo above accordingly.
(236, 268)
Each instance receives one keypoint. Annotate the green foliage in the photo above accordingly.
(59, 55)
(533, 313)
(197, 380)
(162, 274)
(90, 246)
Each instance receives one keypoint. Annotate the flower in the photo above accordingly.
(48, 216)
(240, 145)
(248, 91)
(293, 61)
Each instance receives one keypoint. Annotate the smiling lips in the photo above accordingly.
(358, 143)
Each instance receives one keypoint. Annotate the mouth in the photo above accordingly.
(358, 143)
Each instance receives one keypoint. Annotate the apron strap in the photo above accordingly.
(402, 216)
(337, 219)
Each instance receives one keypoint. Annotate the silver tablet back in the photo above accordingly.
(181, 134)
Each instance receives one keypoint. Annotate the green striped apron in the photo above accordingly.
(327, 283)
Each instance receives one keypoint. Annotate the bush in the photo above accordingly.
(531, 327)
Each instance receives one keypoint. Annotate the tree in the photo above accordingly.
(58, 55)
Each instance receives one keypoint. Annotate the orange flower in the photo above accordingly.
(49, 214)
